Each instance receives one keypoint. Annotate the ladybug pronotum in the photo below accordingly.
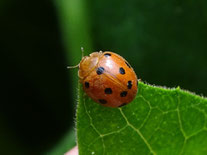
(108, 79)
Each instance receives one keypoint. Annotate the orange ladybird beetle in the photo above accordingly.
(108, 78)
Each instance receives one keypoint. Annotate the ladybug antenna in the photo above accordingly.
(82, 51)
(77, 64)
(68, 67)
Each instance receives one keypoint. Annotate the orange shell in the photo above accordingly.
(108, 79)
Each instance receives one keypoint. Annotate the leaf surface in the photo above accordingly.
(157, 121)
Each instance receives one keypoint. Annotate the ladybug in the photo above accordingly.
(108, 78)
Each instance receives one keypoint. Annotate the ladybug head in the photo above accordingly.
(88, 63)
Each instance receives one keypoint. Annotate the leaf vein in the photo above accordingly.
(91, 123)
(138, 132)
(181, 125)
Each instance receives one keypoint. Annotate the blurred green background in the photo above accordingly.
(164, 41)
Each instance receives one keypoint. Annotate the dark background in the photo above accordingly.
(37, 107)
(165, 42)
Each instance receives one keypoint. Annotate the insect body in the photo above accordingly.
(108, 79)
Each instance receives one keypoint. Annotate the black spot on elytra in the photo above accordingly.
(129, 84)
(123, 94)
(102, 101)
(108, 91)
(123, 104)
(121, 70)
(87, 84)
(127, 64)
(107, 55)
(100, 70)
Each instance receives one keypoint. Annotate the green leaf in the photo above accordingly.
(159, 121)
